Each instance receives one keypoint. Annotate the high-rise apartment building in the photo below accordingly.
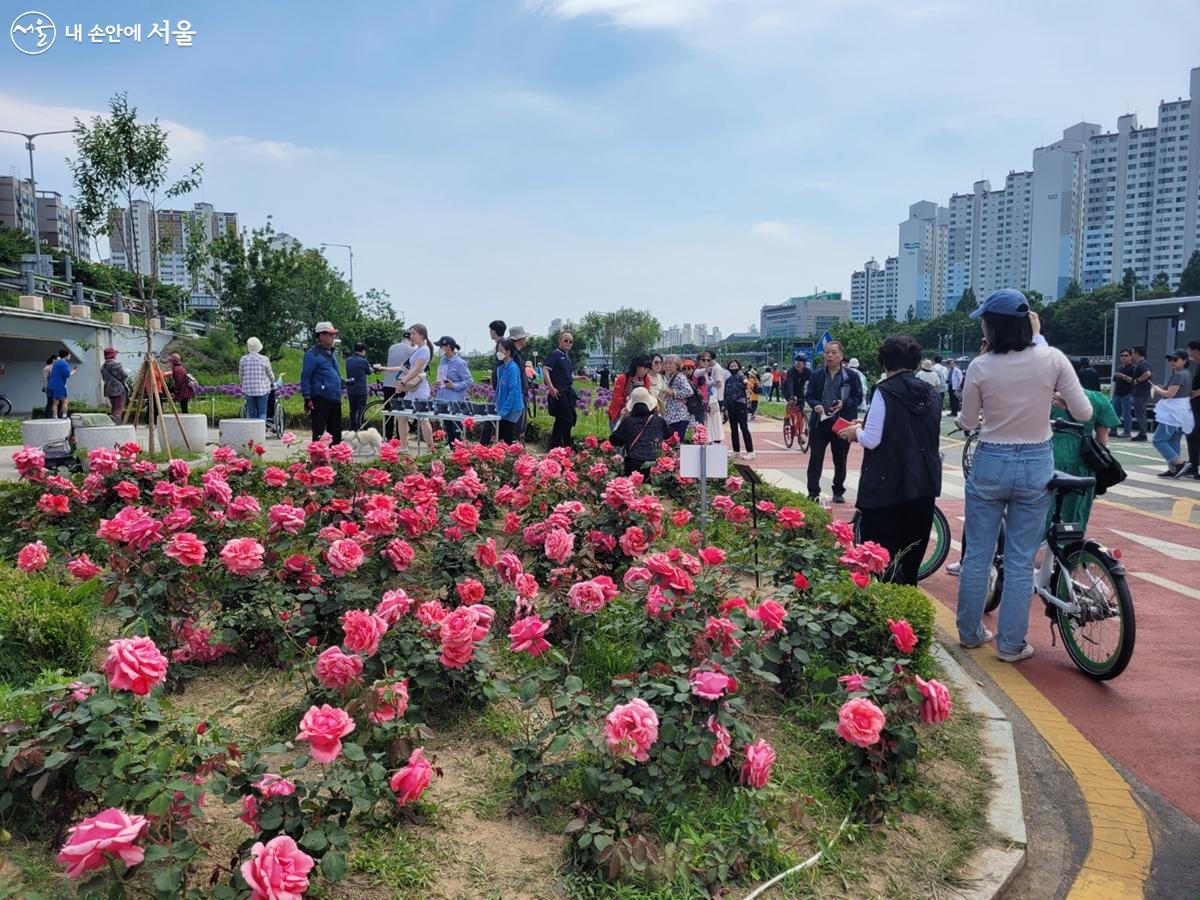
(988, 238)
(17, 208)
(1142, 189)
(131, 238)
(873, 290)
(1056, 218)
(921, 267)
(59, 225)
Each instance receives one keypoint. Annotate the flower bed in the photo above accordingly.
(411, 592)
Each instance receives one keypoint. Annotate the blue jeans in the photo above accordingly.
(1007, 483)
(1124, 408)
(1166, 441)
(256, 407)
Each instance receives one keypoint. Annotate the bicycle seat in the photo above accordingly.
(1064, 482)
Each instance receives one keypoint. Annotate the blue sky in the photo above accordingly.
(529, 159)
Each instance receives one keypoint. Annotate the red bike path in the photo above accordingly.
(1148, 719)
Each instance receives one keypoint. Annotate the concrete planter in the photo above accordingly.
(195, 426)
(237, 433)
(36, 432)
(103, 436)
(31, 302)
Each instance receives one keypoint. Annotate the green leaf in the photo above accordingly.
(573, 683)
(169, 881)
(314, 840)
(601, 841)
(333, 865)
(354, 752)
(160, 806)
(559, 744)
(271, 818)
(162, 759)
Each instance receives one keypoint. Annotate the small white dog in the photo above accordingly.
(365, 442)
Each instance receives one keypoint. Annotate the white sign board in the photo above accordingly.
(716, 460)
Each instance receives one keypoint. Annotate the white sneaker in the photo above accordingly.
(954, 569)
(1024, 653)
(748, 455)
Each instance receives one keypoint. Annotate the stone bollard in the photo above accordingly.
(31, 302)
(195, 426)
(120, 318)
(80, 312)
(37, 432)
(103, 436)
(154, 323)
(238, 433)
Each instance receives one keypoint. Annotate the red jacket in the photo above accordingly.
(620, 395)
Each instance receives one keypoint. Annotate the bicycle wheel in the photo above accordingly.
(1099, 637)
(968, 454)
(939, 546)
(789, 432)
(372, 416)
(5, 406)
(804, 439)
(995, 586)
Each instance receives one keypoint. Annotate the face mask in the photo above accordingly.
(499, 356)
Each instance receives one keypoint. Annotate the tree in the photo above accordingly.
(859, 341)
(1073, 290)
(967, 302)
(620, 335)
(1189, 280)
(375, 324)
(1129, 285)
(197, 253)
(13, 244)
(122, 160)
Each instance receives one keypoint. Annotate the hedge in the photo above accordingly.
(43, 625)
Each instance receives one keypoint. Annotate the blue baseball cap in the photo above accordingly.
(1004, 302)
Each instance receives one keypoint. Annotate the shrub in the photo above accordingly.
(874, 605)
(43, 625)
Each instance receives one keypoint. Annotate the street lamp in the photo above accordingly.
(351, 249)
(37, 244)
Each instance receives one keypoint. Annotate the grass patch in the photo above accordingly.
(499, 722)
(400, 860)
(28, 873)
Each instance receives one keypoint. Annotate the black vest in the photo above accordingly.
(906, 464)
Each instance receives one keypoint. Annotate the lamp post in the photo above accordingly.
(351, 249)
(37, 243)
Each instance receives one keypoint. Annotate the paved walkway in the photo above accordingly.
(1146, 720)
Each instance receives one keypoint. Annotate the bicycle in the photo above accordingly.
(5, 405)
(935, 552)
(1081, 584)
(794, 426)
(970, 439)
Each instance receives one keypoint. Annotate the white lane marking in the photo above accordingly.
(1179, 484)
(1177, 552)
(1168, 584)
(1133, 493)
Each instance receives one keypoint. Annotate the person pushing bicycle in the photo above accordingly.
(794, 386)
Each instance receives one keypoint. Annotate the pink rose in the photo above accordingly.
(337, 670)
(800, 581)
(186, 549)
(631, 729)
(394, 606)
(508, 567)
(633, 542)
(268, 786)
(860, 579)
(860, 722)
(588, 597)
(770, 614)
(526, 586)
(485, 554)
(430, 614)
(344, 556)
(466, 516)
(559, 544)
(711, 556)
(681, 518)
(470, 591)
(842, 531)
(242, 556)
(54, 504)
(275, 477)
(756, 770)
(286, 518)
(178, 519)
(936, 705)
(324, 727)
(853, 683)
(903, 635)
(30, 462)
(390, 701)
(724, 741)
(322, 476)
(83, 568)
(399, 553)
(33, 557)
(277, 870)
(412, 780)
(362, 631)
(103, 460)
(111, 834)
(244, 508)
(458, 636)
(710, 685)
(790, 516)
(527, 636)
(134, 664)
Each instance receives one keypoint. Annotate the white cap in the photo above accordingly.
(323, 327)
(854, 363)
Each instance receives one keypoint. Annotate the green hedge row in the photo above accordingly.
(44, 624)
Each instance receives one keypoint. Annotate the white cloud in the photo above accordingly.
(776, 231)
(631, 13)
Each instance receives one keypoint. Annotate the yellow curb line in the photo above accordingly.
(1118, 862)
(1181, 511)
(1142, 512)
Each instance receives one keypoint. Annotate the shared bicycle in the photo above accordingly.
(794, 426)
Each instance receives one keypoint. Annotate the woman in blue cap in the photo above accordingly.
(1010, 388)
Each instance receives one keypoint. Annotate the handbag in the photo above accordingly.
(1107, 468)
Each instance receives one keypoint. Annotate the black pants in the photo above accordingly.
(955, 403)
(904, 529)
(679, 429)
(508, 431)
(358, 405)
(754, 407)
(182, 405)
(327, 416)
(737, 419)
(453, 430)
(1193, 438)
(562, 408)
(773, 394)
(821, 436)
(389, 423)
(1139, 412)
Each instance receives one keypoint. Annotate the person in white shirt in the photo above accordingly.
(954, 383)
(943, 375)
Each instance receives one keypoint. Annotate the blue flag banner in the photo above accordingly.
(825, 339)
